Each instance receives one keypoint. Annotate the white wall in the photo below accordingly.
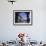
(38, 30)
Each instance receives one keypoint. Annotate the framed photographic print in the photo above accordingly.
(22, 17)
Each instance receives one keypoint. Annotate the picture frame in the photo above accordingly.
(22, 17)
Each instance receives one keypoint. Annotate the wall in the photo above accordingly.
(38, 30)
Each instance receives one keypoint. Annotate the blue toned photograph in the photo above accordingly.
(22, 17)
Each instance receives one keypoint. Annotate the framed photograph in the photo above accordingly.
(22, 17)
